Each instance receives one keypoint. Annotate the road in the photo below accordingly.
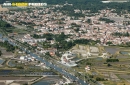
(49, 64)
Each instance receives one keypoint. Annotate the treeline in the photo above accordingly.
(61, 43)
(69, 44)
(0, 52)
(61, 37)
(86, 41)
(6, 26)
(8, 46)
(126, 34)
(106, 20)
(112, 60)
(100, 79)
(48, 36)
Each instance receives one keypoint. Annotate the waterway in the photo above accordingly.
(124, 52)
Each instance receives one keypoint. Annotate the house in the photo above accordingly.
(52, 53)
(87, 68)
(22, 58)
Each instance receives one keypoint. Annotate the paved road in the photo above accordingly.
(55, 67)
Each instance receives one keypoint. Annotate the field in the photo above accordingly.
(109, 72)
(6, 54)
(15, 80)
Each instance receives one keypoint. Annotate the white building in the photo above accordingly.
(66, 59)
(68, 55)
(87, 68)
(22, 58)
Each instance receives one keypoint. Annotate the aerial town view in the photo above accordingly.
(65, 42)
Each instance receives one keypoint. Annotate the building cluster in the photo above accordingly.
(49, 20)
(28, 58)
(27, 38)
(51, 51)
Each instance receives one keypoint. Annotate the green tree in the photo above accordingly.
(109, 65)
(109, 43)
(0, 53)
(60, 37)
(106, 20)
(47, 53)
(25, 84)
(89, 21)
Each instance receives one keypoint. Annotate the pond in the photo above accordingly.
(111, 50)
(122, 56)
(99, 58)
(11, 64)
(76, 59)
(124, 52)
(5, 72)
(1, 61)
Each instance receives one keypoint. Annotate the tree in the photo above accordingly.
(76, 30)
(106, 20)
(109, 43)
(112, 60)
(8, 46)
(47, 53)
(60, 37)
(0, 53)
(100, 79)
(89, 21)
(38, 61)
(20, 67)
(109, 65)
(25, 84)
